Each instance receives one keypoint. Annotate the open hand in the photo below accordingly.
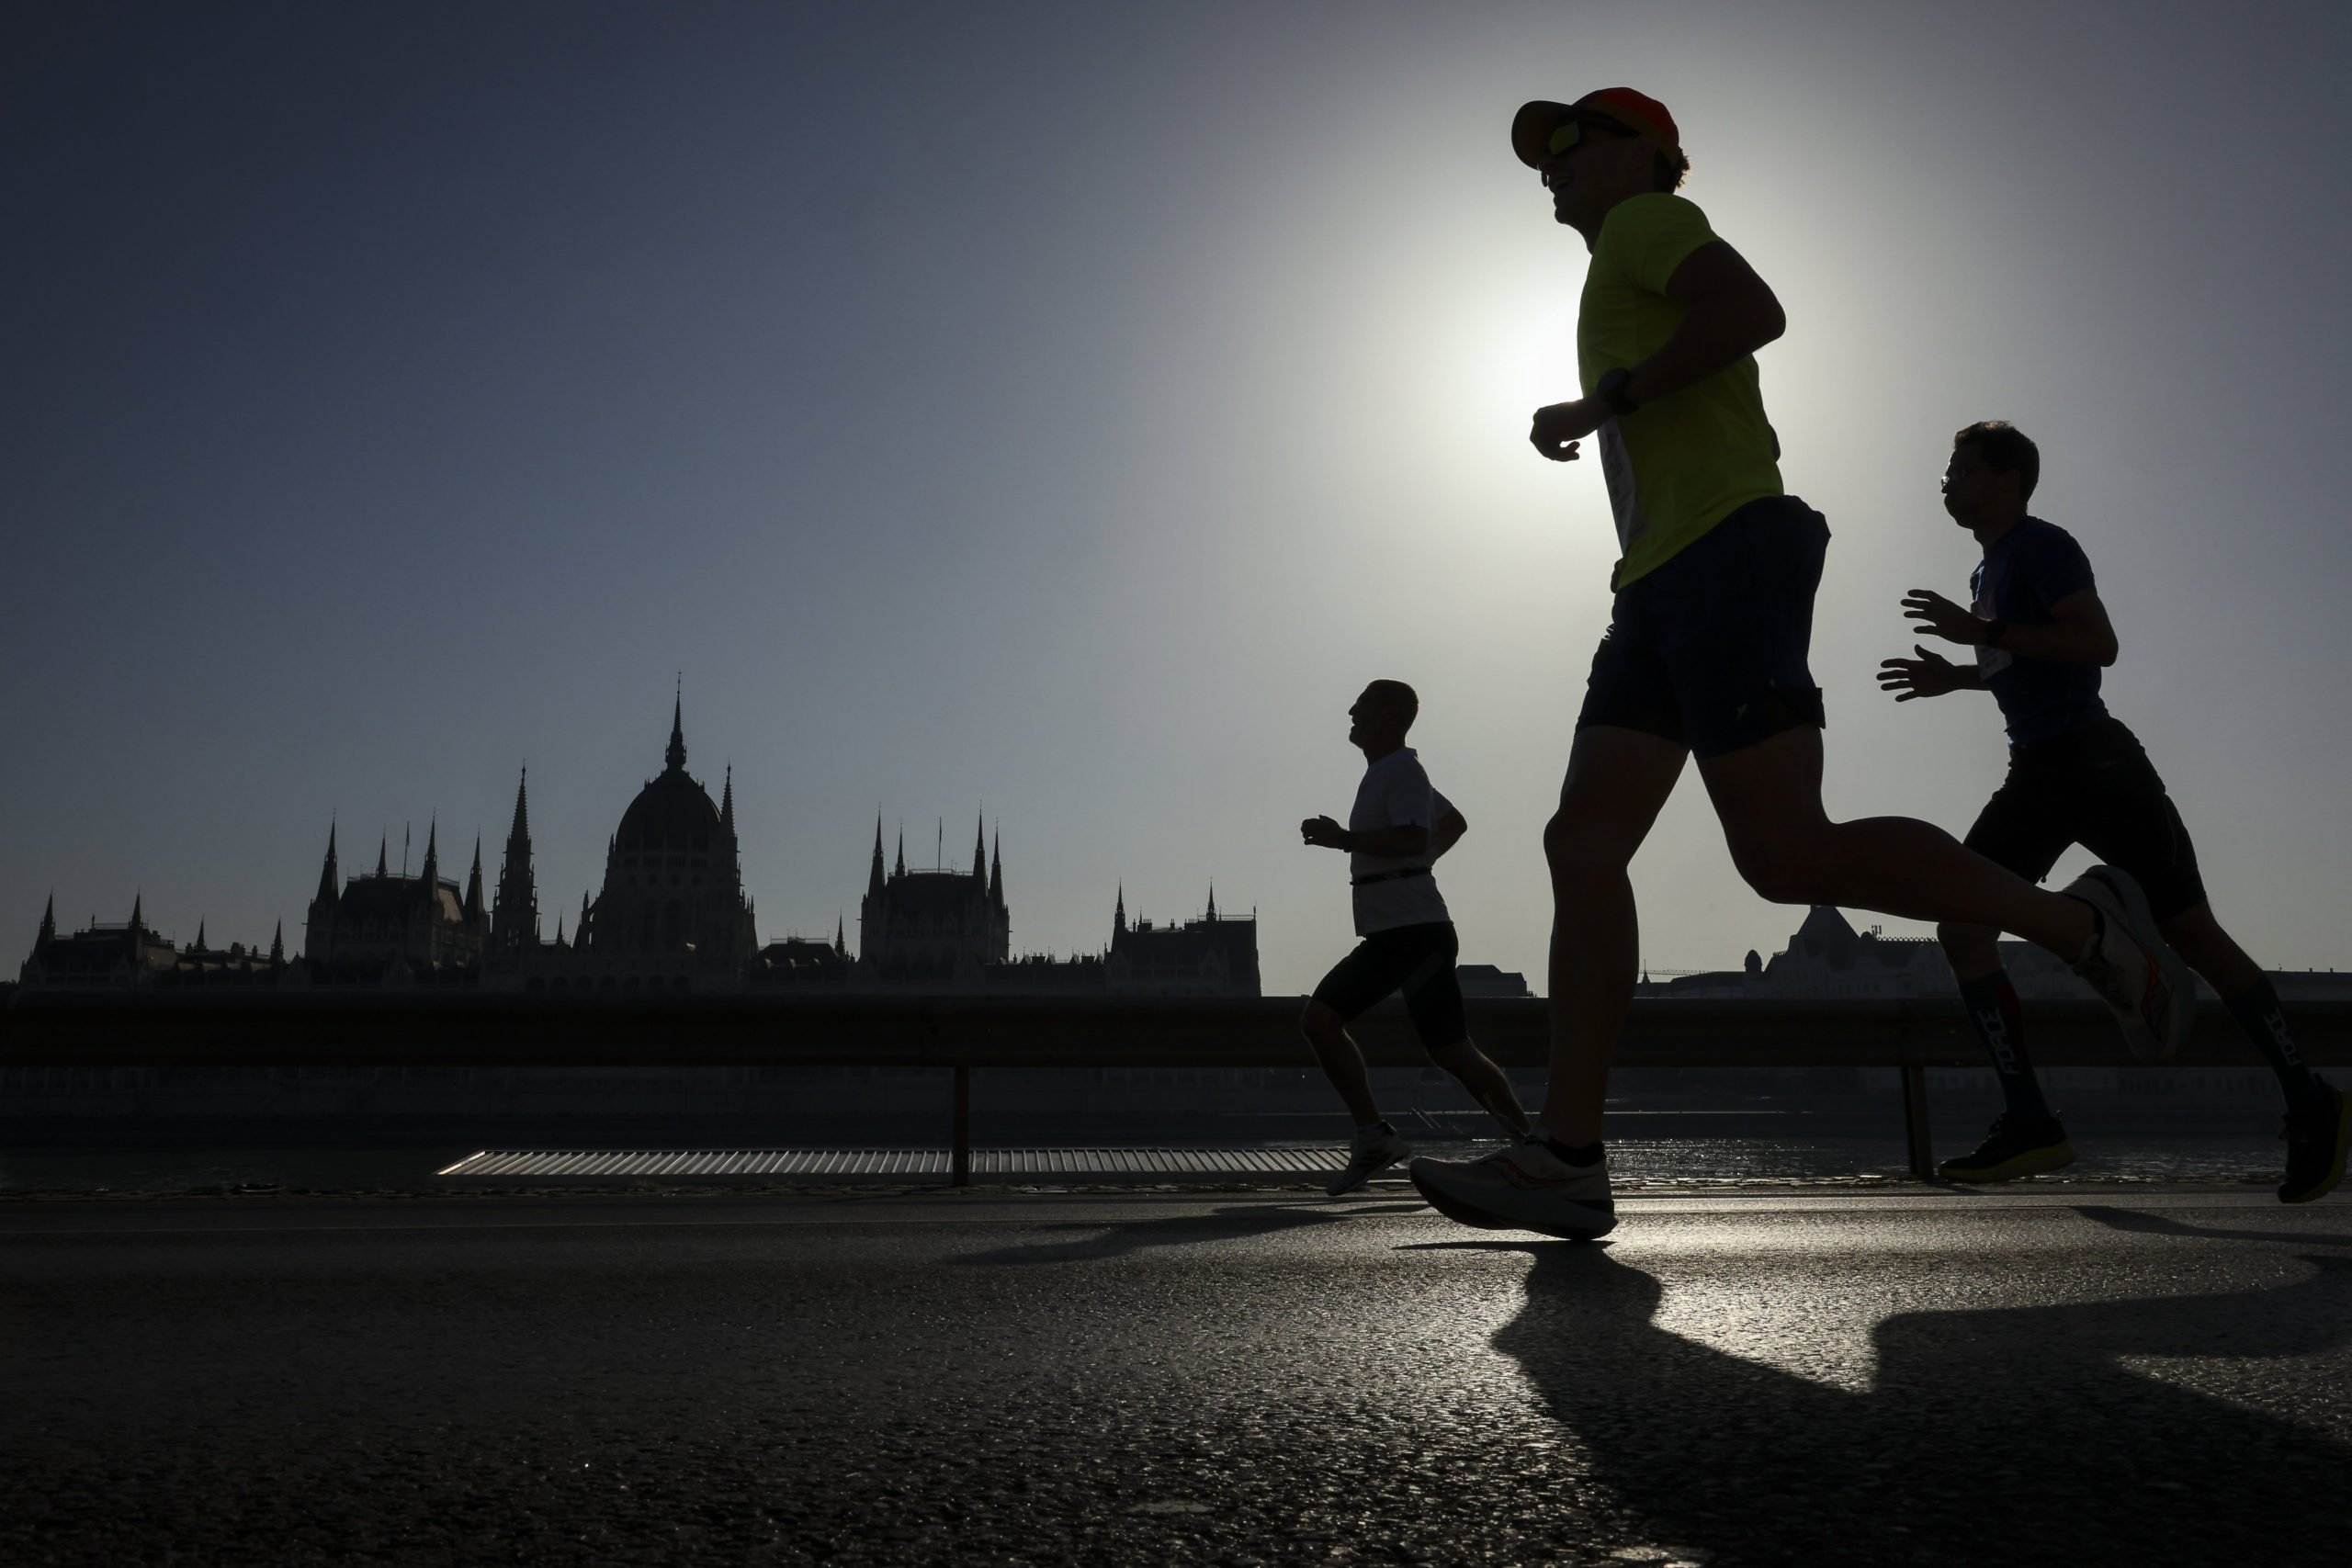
(1559, 427)
(1321, 831)
(1929, 675)
(1938, 616)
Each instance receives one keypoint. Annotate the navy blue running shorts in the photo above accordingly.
(1416, 960)
(2096, 787)
(1709, 650)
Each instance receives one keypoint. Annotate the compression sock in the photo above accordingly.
(1999, 1020)
(1577, 1154)
(2257, 1010)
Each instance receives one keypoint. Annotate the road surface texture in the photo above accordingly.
(2138, 1376)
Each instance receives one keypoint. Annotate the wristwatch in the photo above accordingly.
(1610, 390)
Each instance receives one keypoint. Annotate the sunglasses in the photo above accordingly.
(1570, 132)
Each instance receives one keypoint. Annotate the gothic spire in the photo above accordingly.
(559, 928)
(277, 943)
(1211, 900)
(49, 920)
(996, 872)
(327, 874)
(473, 882)
(1119, 915)
(514, 912)
(199, 936)
(874, 877)
(383, 845)
(677, 755)
(726, 802)
(519, 836)
(137, 908)
(901, 869)
(980, 852)
(432, 853)
(840, 935)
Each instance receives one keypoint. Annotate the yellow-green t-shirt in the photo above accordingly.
(1676, 466)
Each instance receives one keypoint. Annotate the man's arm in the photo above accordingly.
(1325, 833)
(1729, 313)
(2079, 633)
(1929, 675)
(1447, 833)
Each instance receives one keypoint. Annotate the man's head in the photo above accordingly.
(1381, 718)
(1994, 468)
(1598, 150)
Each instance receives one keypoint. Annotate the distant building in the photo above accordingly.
(932, 929)
(1212, 956)
(797, 961)
(384, 928)
(1486, 980)
(98, 957)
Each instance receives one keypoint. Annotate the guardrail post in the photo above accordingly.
(1918, 1137)
(959, 1159)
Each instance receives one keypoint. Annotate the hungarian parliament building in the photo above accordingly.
(671, 918)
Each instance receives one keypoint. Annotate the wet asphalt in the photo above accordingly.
(2062, 1376)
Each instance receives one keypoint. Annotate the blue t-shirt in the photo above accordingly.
(2029, 568)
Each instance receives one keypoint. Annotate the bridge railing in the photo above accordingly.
(963, 1033)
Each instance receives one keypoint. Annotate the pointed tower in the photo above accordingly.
(277, 945)
(432, 855)
(137, 908)
(329, 886)
(559, 928)
(1119, 913)
(900, 869)
(47, 924)
(473, 885)
(1212, 914)
(677, 755)
(199, 936)
(727, 803)
(981, 853)
(874, 877)
(383, 847)
(514, 914)
(841, 936)
(996, 872)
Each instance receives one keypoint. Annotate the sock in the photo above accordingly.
(1999, 1020)
(1582, 1154)
(2257, 1010)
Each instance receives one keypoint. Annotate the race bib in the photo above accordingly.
(1990, 661)
(1617, 468)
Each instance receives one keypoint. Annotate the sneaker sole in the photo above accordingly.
(2033, 1162)
(2326, 1184)
(1464, 1213)
(2140, 923)
(1344, 1185)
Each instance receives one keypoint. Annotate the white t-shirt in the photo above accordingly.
(1395, 793)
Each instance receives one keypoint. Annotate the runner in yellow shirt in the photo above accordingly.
(1705, 655)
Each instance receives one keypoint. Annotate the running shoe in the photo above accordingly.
(1523, 1188)
(2142, 981)
(2013, 1146)
(1374, 1150)
(2318, 1134)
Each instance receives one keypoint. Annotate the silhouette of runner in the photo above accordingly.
(1397, 831)
(1705, 653)
(2076, 776)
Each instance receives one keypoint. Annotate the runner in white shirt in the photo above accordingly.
(1398, 828)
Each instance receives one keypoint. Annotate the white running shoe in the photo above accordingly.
(2141, 979)
(1525, 1187)
(1374, 1150)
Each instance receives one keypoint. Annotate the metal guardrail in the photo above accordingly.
(329, 1028)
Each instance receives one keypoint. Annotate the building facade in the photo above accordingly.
(388, 929)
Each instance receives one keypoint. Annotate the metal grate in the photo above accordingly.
(735, 1165)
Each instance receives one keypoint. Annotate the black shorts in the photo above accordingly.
(1416, 960)
(2095, 787)
(1709, 650)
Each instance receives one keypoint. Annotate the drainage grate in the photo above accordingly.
(737, 1164)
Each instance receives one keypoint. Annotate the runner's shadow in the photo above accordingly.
(2006, 1436)
(2157, 1224)
(1102, 1240)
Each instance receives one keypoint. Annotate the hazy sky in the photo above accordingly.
(1068, 407)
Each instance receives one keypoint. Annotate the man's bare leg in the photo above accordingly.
(1342, 1061)
(1768, 800)
(1618, 781)
(1477, 1072)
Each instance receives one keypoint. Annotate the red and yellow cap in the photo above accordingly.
(1531, 128)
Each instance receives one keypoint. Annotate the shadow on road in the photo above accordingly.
(2007, 1435)
(2160, 1224)
(1096, 1239)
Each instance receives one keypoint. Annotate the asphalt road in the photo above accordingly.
(1229, 1378)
